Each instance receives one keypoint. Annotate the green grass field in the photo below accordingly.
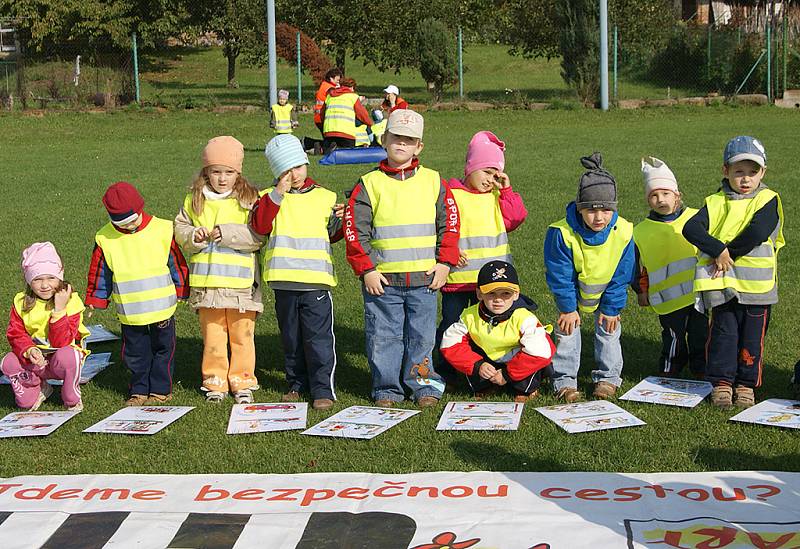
(56, 167)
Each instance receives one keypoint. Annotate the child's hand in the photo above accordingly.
(501, 180)
(338, 210)
(61, 298)
(284, 183)
(89, 311)
(216, 234)
(610, 323)
(487, 371)
(498, 378)
(568, 322)
(643, 299)
(200, 235)
(36, 357)
(723, 262)
(462, 258)
(374, 282)
(439, 272)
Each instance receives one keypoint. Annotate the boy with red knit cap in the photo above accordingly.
(137, 265)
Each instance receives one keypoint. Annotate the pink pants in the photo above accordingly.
(64, 364)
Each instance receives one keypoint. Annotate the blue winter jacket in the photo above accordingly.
(562, 279)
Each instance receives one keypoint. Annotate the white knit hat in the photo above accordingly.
(284, 152)
(657, 176)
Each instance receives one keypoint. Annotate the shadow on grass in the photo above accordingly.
(491, 457)
(720, 459)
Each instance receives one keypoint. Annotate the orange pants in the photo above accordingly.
(218, 326)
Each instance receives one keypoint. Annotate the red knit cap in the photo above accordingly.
(122, 201)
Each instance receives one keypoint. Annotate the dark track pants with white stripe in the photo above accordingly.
(683, 341)
(305, 320)
(736, 344)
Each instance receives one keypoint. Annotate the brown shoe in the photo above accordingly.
(322, 404)
(743, 397)
(427, 401)
(155, 398)
(604, 390)
(722, 397)
(136, 400)
(487, 393)
(569, 395)
(526, 397)
(385, 403)
(291, 396)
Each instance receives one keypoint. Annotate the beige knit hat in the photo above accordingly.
(657, 176)
(224, 151)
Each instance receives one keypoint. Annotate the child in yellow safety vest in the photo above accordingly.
(301, 219)
(664, 279)
(589, 261)
(45, 332)
(283, 117)
(738, 233)
(488, 209)
(138, 266)
(212, 229)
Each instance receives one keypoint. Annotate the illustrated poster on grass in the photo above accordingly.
(267, 417)
(139, 420)
(686, 393)
(33, 424)
(775, 412)
(93, 365)
(364, 422)
(99, 334)
(480, 416)
(583, 417)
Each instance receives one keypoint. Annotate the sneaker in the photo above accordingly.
(76, 407)
(291, 396)
(215, 396)
(569, 395)
(45, 390)
(427, 401)
(322, 404)
(245, 396)
(155, 398)
(523, 397)
(722, 397)
(604, 390)
(136, 400)
(743, 397)
(385, 403)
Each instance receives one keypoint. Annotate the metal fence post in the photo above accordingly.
(783, 48)
(135, 65)
(616, 55)
(708, 53)
(769, 60)
(604, 55)
(272, 62)
(299, 71)
(460, 65)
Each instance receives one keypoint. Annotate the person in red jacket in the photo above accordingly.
(392, 101)
(45, 332)
(331, 81)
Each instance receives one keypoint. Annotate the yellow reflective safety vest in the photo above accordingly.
(37, 320)
(403, 220)
(483, 234)
(754, 273)
(299, 249)
(595, 265)
(340, 114)
(143, 292)
(218, 266)
(283, 118)
(496, 341)
(362, 136)
(670, 261)
(378, 130)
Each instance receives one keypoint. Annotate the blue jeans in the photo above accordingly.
(607, 357)
(400, 327)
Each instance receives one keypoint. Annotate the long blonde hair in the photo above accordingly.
(30, 297)
(243, 191)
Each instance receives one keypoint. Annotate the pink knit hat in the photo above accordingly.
(224, 151)
(39, 259)
(485, 150)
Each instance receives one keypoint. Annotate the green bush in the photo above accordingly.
(579, 44)
(436, 55)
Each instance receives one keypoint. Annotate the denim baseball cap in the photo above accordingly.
(744, 147)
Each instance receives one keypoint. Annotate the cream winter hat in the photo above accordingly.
(657, 176)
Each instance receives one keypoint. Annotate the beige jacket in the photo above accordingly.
(236, 236)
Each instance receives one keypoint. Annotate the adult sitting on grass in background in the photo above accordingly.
(393, 101)
(339, 114)
(331, 81)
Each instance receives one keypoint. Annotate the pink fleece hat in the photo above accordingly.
(39, 259)
(485, 150)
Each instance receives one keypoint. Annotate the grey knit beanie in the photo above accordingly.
(597, 187)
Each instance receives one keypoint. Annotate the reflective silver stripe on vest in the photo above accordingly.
(406, 254)
(671, 269)
(673, 292)
(216, 269)
(584, 302)
(404, 231)
(476, 264)
(592, 288)
(475, 242)
(305, 244)
(217, 249)
(143, 284)
(300, 264)
(149, 306)
(738, 273)
(762, 250)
